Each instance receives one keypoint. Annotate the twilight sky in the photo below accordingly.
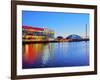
(63, 24)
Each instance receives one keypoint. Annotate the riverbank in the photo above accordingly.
(54, 41)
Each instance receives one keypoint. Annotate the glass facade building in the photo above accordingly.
(37, 34)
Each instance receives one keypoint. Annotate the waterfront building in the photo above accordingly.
(37, 34)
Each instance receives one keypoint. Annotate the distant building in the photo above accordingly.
(37, 34)
(73, 36)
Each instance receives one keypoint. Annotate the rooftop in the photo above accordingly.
(30, 27)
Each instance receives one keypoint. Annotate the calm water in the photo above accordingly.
(62, 54)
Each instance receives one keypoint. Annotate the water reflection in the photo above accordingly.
(39, 55)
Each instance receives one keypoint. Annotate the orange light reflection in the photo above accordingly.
(31, 52)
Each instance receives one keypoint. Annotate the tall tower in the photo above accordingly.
(86, 30)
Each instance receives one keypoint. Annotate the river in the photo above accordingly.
(63, 54)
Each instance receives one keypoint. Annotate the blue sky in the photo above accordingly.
(63, 24)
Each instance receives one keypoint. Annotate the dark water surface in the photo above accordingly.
(64, 54)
